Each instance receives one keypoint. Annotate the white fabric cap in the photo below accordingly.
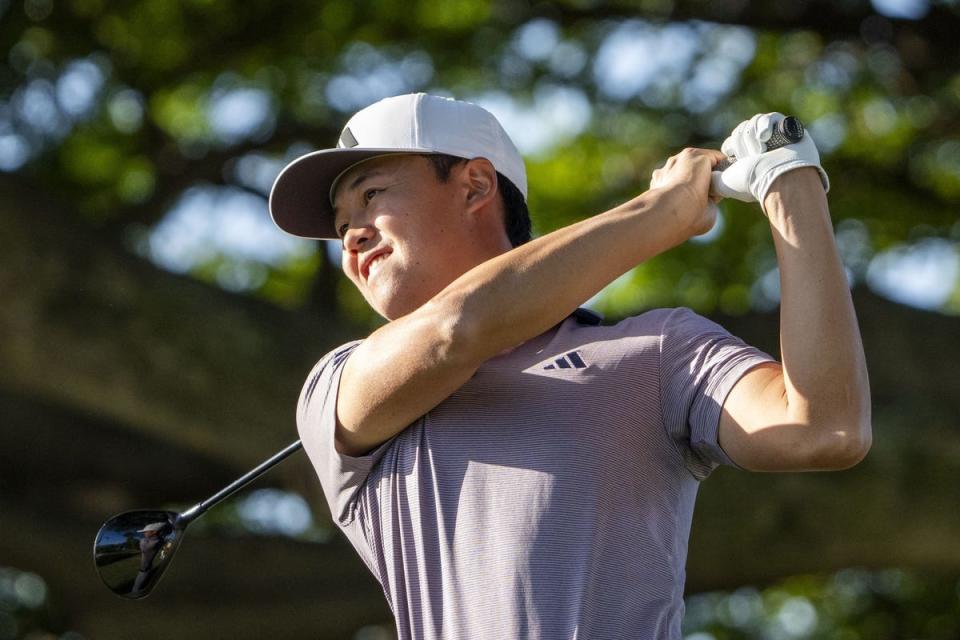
(300, 201)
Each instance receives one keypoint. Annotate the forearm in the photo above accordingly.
(518, 295)
(825, 375)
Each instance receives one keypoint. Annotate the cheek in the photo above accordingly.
(350, 267)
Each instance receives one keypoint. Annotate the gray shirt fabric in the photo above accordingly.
(551, 495)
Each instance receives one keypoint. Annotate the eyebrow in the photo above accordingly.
(363, 177)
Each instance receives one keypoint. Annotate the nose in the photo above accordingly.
(357, 237)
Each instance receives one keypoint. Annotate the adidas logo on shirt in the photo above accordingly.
(570, 360)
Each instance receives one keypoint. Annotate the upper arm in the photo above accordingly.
(760, 431)
(399, 373)
(754, 429)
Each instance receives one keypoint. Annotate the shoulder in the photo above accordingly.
(588, 326)
(664, 330)
(668, 328)
(333, 358)
(324, 370)
(634, 339)
(657, 322)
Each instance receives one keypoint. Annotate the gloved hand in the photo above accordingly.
(749, 178)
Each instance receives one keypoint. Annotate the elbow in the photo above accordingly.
(845, 432)
(455, 335)
(844, 447)
(469, 327)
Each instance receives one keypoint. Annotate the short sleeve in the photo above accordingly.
(700, 362)
(341, 476)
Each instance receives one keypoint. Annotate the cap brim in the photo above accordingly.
(300, 197)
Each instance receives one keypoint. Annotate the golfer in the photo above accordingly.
(150, 546)
(506, 465)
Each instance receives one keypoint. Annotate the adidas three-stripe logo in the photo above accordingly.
(570, 360)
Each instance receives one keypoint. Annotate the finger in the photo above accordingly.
(694, 154)
(717, 188)
(712, 194)
(655, 178)
(728, 148)
(749, 142)
(765, 123)
(735, 143)
(720, 187)
(762, 128)
(694, 151)
(715, 156)
(743, 140)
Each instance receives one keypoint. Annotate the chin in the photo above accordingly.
(394, 311)
(390, 307)
(397, 304)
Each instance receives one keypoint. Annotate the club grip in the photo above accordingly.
(787, 131)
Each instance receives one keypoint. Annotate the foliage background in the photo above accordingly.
(156, 327)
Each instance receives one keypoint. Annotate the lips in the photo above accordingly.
(369, 260)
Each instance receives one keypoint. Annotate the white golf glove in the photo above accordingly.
(749, 178)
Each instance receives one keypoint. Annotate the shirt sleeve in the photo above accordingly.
(700, 362)
(341, 476)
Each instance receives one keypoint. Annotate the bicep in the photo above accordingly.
(756, 430)
(402, 371)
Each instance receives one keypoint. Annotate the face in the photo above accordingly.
(406, 235)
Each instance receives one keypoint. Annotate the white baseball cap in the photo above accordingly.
(301, 197)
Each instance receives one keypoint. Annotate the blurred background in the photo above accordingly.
(155, 328)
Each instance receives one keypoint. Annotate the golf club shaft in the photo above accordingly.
(200, 508)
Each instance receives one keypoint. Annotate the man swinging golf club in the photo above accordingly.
(505, 465)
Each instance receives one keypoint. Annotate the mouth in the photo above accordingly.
(371, 264)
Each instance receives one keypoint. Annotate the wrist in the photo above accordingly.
(800, 185)
(686, 211)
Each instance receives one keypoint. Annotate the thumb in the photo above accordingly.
(721, 187)
(717, 188)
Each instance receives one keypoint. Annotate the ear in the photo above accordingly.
(480, 179)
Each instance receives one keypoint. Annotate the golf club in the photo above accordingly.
(134, 548)
(787, 131)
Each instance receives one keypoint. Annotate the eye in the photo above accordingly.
(369, 193)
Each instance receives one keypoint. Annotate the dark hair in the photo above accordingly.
(516, 216)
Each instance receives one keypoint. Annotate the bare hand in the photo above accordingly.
(689, 173)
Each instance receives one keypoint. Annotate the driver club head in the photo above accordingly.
(133, 549)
